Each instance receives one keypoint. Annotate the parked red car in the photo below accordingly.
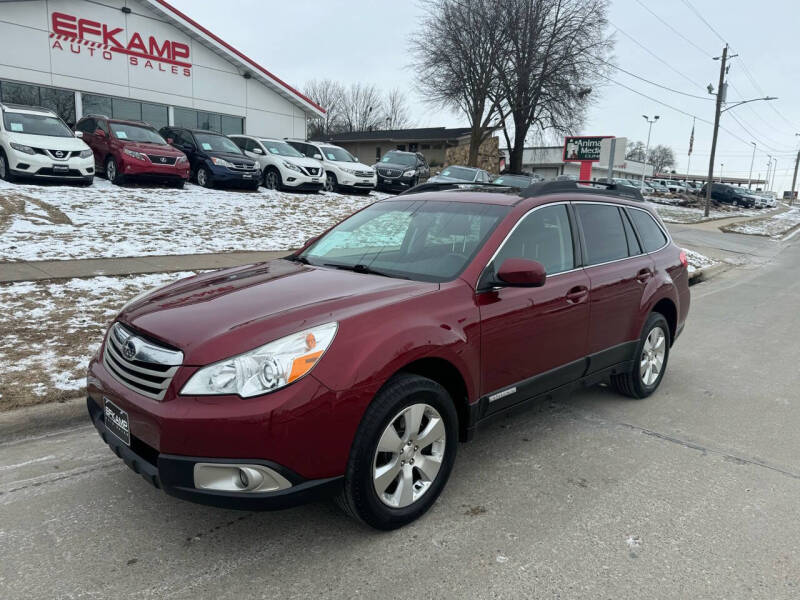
(126, 150)
(355, 365)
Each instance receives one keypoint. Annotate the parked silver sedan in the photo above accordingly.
(458, 174)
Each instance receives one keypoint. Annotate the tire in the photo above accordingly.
(735, 204)
(5, 169)
(435, 415)
(204, 178)
(331, 183)
(638, 383)
(272, 179)
(179, 184)
(112, 171)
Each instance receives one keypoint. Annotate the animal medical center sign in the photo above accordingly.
(584, 150)
(105, 42)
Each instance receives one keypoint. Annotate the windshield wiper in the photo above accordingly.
(360, 268)
(300, 259)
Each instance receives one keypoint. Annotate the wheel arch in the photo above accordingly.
(667, 307)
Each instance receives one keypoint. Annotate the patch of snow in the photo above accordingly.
(774, 226)
(697, 260)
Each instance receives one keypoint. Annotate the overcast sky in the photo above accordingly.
(366, 40)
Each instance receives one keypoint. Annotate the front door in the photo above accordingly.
(534, 339)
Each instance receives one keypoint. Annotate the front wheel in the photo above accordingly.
(204, 178)
(272, 179)
(402, 453)
(650, 362)
(5, 169)
(331, 183)
(112, 171)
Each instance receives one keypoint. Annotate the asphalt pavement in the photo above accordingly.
(692, 493)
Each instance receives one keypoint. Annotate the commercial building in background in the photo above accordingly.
(548, 162)
(141, 60)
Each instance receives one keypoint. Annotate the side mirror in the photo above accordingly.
(79, 134)
(317, 156)
(520, 272)
(100, 133)
(258, 150)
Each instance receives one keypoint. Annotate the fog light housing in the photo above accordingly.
(229, 477)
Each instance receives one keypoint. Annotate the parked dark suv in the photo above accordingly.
(125, 150)
(398, 171)
(214, 158)
(730, 194)
(355, 365)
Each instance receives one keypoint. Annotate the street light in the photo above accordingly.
(647, 147)
(721, 167)
(750, 176)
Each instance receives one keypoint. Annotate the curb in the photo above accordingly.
(707, 273)
(27, 421)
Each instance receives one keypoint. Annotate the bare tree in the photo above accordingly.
(329, 95)
(456, 52)
(361, 108)
(553, 53)
(635, 151)
(661, 157)
(395, 110)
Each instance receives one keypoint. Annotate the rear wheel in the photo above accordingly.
(650, 363)
(5, 170)
(402, 453)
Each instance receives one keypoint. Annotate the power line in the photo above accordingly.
(750, 133)
(699, 16)
(675, 31)
(757, 87)
(663, 87)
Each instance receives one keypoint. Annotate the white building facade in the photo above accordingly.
(548, 162)
(140, 60)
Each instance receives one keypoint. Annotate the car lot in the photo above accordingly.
(691, 493)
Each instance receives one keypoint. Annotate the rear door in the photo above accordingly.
(618, 271)
(534, 339)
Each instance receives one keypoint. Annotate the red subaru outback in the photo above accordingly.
(127, 150)
(355, 365)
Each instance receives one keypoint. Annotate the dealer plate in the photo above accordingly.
(60, 169)
(117, 421)
(247, 176)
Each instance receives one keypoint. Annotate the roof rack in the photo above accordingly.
(12, 106)
(446, 185)
(581, 187)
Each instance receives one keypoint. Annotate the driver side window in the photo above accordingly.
(544, 235)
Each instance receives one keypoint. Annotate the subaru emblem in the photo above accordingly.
(129, 349)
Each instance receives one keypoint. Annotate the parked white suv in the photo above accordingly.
(36, 143)
(282, 167)
(342, 169)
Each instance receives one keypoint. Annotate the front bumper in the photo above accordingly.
(357, 183)
(176, 474)
(235, 177)
(133, 168)
(40, 166)
(301, 181)
(394, 184)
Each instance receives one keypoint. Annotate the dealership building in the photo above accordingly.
(140, 60)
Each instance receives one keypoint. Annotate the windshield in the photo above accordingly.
(426, 241)
(136, 133)
(32, 124)
(339, 154)
(216, 143)
(400, 159)
(459, 173)
(518, 181)
(280, 148)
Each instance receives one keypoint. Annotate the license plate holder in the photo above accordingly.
(247, 176)
(116, 421)
(60, 169)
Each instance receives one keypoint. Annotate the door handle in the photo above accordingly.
(577, 294)
(643, 276)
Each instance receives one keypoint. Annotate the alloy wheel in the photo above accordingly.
(2, 167)
(328, 183)
(270, 180)
(653, 353)
(409, 455)
(111, 171)
(202, 179)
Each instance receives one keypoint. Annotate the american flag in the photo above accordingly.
(691, 139)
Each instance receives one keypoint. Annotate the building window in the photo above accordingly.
(209, 121)
(96, 105)
(232, 125)
(185, 117)
(426, 146)
(413, 147)
(155, 114)
(128, 110)
(61, 101)
(193, 119)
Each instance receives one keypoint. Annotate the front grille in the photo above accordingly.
(389, 172)
(312, 170)
(138, 364)
(50, 172)
(364, 173)
(162, 160)
(243, 167)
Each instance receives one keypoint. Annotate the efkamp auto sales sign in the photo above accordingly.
(583, 148)
(102, 41)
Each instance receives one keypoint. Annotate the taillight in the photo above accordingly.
(684, 260)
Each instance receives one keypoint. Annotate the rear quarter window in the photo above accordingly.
(650, 233)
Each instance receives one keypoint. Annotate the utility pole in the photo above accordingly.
(752, 160)
(720, 92)
(794, 178)
(647, 148)
(769, 172)
(774, 171)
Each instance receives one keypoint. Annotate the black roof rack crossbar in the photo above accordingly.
(446, 185)
(597, 187)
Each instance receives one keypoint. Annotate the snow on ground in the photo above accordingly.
(61, 222)
(49, 330)
(774, 226)
(671, 213)
(697, 261)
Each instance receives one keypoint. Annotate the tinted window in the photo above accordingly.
(87, 126)
(96, 105)
(129, 110)
(136, 133)
(650, 233)
(216, 143)
(633, 244)
(232, 125)
(544, 235)
(184, 117)
(241, 142)
(156, 115)
(603, 233)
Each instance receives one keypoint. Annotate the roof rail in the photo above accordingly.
(13, 106)
(582, 187)
(447, 185)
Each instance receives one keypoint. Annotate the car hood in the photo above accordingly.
(217, 315)
(230, 156)
(393, 166)
(352, 165)
(47, 141)
(446, 179)
(302, 161)
(147, 148)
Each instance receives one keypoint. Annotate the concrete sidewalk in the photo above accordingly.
(92, 267)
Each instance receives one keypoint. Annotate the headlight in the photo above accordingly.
(350, 171)
(134, 154)
(264, 369)
(86, 153)
(221, 162)
(23, 148)
(409, 173)
(291, 166)
(180, 159)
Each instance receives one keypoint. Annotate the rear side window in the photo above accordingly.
(650, 233)
(545, 236)
(603, 233)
